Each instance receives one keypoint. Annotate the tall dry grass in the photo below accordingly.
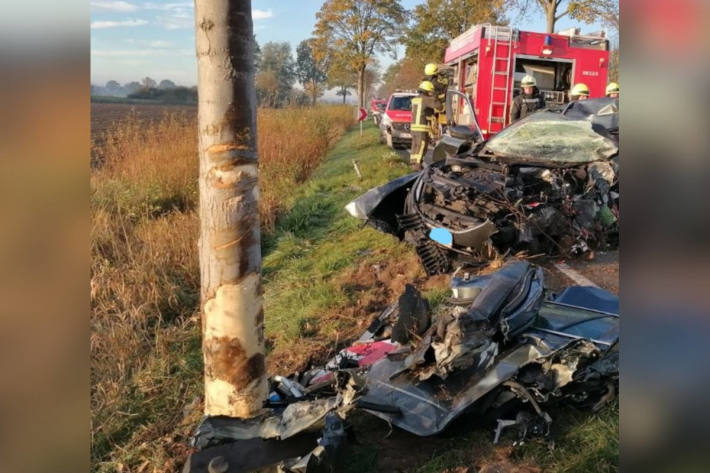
(145, 358)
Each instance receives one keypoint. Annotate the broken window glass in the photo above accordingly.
(546, 138)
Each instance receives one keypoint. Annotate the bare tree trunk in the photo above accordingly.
(315, 93)
(361, 87)
(229, 245)
(550, 17)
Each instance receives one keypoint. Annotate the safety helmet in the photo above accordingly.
(580, 89)
(612, 88)
(431, 69)
(528, 81)
(426, 86)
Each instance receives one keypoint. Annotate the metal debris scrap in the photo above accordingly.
(500, 341)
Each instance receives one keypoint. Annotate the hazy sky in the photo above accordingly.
(132, 39)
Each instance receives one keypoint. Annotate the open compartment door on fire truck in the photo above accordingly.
(553, 77)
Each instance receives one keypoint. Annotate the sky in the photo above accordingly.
(132, 39)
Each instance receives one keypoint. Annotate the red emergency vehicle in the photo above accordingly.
(489, 61)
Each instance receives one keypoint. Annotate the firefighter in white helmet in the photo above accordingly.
(528, 101)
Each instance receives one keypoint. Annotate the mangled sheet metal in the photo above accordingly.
(500, 341)
(547, 184)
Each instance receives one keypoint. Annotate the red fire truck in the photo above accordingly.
(489, 61)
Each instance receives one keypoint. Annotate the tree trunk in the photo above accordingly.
(229, 244)
(315, 92)
(550, 17)
(345, 93)
(361, 87)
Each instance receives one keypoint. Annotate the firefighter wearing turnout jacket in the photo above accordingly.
(423, 107)
(439, 81)
(529, 100)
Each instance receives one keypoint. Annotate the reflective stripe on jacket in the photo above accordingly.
(422, 107)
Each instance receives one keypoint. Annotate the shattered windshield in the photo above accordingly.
(545, 137)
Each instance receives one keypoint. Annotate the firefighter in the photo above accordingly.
(580, 91)
(423, 107)
(440, 81)
(528, 101)
(612, 90)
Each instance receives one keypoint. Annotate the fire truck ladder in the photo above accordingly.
(502, 39)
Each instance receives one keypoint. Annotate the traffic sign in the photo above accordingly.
(363, 114)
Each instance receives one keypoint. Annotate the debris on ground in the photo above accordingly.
(502, 347)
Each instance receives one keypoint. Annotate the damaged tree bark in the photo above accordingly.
(229, 244)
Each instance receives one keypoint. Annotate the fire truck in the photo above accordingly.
(487, 63)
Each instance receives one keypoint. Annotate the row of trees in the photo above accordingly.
(277, 73)
(115, 89)
(349, 33)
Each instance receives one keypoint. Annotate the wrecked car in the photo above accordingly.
(502, 346)
(547, 184)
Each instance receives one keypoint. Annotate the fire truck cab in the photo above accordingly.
(488, 62)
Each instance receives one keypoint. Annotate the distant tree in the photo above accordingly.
(166, 84)
(372, 77)
(352, 31)
(341, 77)
(276, 65)
(113, 88)
(131, 87)
(267, 88)
(586, 10)
(604, 11)
(614, 65)
(344, 92)
(311, 73)
(148, 83)
(436, 22)
(405, 74)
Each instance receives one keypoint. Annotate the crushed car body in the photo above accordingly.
(547, 184)
(500, 341)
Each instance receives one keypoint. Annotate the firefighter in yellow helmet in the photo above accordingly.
(423, 107)
(580, 91)
(528, 101)
(438, 79)
(612, 90)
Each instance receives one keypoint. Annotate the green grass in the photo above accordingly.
(316, 242)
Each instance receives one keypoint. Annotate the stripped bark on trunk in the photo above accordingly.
(229, 244)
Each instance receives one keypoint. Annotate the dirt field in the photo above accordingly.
(103, 115)
(106, 115)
